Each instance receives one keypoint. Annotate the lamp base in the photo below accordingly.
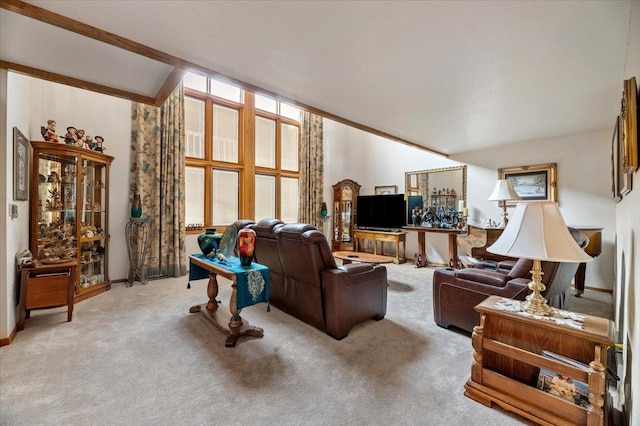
(534, 303)
(504, 214)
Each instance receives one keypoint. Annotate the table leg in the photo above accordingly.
(421, 256)
(212, 292)
(237, 327)
(453, 250)
(580, 278)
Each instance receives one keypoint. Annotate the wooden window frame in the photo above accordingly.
(246, 166)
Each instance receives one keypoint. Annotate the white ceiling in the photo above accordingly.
(449, 75)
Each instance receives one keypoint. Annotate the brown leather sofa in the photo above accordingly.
(457, 291)
(306, 282)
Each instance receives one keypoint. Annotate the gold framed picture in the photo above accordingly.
(630, 125)
(386, 190)
(537, 182)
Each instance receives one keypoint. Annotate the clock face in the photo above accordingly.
(228, 241)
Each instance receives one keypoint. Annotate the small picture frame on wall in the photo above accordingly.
(532, 183)
(386, 190)
(20, 166)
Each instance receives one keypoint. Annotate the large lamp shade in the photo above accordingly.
(537, 231)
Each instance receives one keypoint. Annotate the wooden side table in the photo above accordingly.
(47, 286)
(507, 358)
(382, 236)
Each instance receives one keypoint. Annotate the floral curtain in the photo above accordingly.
(157, 175)
(311, 168)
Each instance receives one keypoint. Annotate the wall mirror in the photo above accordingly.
(443, 187)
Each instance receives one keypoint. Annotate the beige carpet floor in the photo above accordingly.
(135, 356)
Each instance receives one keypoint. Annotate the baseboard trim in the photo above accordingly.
(7, 340)
(603, 290)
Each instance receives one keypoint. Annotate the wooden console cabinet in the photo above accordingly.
(507, 358)
(395, 237)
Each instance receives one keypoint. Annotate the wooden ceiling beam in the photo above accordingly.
(76, 82)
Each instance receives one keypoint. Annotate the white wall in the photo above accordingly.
(372, 160)
(31, 103)
(583, 187)
(17, 230)
(628, 251)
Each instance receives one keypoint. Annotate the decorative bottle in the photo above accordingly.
(208, 241)
(246, 246)
(136, 206)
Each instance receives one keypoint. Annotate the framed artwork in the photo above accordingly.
(20, 166)
(616, 162)
(386, 190)
(630, 125)
(532, 183)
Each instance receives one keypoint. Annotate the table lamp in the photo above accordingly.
(502, 193)
(538, 232)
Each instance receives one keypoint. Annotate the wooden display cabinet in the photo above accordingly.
(345, 193)
(69, 212)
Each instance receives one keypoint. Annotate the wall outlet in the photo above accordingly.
(13, 211)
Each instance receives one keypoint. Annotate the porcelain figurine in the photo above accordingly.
(49, 132)
(71, 137)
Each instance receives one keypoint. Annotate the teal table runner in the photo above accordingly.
(252, 282)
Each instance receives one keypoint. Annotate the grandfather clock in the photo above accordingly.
(345, 193)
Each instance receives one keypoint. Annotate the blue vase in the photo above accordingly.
(208, 241)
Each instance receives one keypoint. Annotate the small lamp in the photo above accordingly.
(538, 232)
(502, 193)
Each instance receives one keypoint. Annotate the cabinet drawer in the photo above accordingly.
(47, 292)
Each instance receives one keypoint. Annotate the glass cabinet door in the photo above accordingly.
(347, 203)
(56, 209)
(93, 224)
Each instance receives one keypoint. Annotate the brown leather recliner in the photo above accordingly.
(266, 252)
(308, 284)
(456, 292)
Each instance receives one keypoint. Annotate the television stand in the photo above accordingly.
(396, 237)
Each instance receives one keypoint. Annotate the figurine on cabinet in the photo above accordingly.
(71, 137)
(80, 138)
(49, 132)
(99, 140)
(88, 141)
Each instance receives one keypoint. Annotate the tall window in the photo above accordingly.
(242, 154)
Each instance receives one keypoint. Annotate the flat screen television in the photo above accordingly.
(381, 212)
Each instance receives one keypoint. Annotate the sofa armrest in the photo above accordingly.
(353, 269)
(351, 294)
(483, 276)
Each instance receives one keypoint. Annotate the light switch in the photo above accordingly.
(13, 211)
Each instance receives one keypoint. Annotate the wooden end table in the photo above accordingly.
(237, 327)
(508, 355)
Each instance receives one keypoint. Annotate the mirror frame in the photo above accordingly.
(462, 168)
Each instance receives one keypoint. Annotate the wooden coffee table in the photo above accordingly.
(356, 256)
